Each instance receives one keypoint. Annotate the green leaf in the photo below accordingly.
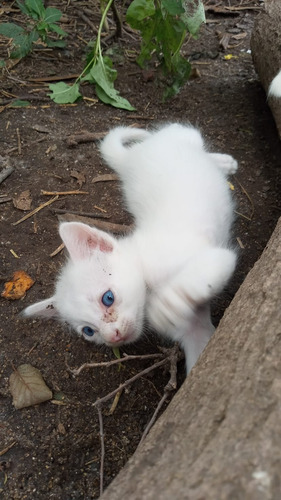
(52, 15)
(10, 30)
(193, 16)
(2, 63)
(103, 76)
(116, 102)
(116, 352)
(35, 6)
(23, 44)
(181, 73)
(148, 42)
(55, 43)
(57, 29)
(18, 103)
(63, 93)
(174, 7)
(139, 10)
(42, 26)
(170, 35)
(23, 8)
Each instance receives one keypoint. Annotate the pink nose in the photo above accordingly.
(116, 337)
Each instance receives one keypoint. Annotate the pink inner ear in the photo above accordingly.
(81, 240)
(105, 246)
(93, 242)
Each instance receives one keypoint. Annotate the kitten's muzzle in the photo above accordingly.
(116, 338)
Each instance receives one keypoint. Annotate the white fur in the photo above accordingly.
(176, 260)
(275, 86)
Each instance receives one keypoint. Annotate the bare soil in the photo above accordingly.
(52, 450)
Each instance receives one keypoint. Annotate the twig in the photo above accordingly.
(174, 357)
(33, 212)
(32, 348)
(5, 173)
(62, 193)
(154, 416)
(82, 214)
(83, 137)
(57, 250)
(175, 354)
(19, 144)
(102, 448)
(115, 403)
(117, 19)
(240, 242)
(242, 215)
(11, 150)
(244, 7)
(53, 78)
(171, 355)
(100, 209)
(28, 97)
(130, 381)
(105, 178)
(100, 224)
(140, 117)
(85, 18)
(126, 357)
(2, 452)
(230, 11)
(249, 198)
(5, 199)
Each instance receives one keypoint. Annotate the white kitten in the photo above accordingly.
(173, 263)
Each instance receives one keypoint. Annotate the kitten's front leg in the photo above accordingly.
(173, 305)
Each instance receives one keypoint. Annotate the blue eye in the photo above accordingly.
(107, 298)
(88, 331)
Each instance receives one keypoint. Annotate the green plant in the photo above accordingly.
(163, 25)
(99, 71)
(40, 23)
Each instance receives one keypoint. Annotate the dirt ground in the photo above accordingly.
(52, 450)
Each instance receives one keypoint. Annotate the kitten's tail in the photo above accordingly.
(115, 145)
(275, 86)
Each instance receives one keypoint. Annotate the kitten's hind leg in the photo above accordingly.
(198, 335)
(225, 162)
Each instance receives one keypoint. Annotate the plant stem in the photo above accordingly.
(98, 50)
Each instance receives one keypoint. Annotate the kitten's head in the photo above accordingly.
(101, 291)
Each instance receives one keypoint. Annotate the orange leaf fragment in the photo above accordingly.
(17, 286)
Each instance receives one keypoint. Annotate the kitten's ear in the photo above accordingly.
(82, 240)
(45, 308)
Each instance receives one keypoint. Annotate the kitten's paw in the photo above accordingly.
(225, 162)
(169, 309)
(207, 274)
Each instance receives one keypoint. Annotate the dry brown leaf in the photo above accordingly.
(17, 286)
(23, 200)
(79, 177)
(28, 387)
(239, 36)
